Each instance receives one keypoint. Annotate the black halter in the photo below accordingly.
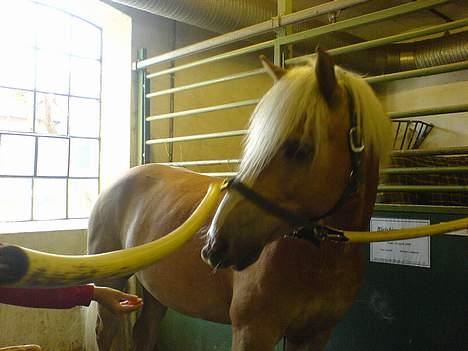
(309, 228)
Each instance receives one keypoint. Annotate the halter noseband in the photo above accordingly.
(309, 228)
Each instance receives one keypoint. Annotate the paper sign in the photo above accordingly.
(410, 252)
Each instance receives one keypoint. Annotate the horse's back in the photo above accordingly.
(146, 203)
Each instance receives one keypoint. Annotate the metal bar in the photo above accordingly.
(425, 170)
(423, 188)
(170, 147)
(451, 67)
(143, 111)
(446, 151)
(430, 111)
(232, 133)
(234, 53)
(358, 21)
(404, 136)
(207, 82)
(201, 163)
(223, 56)
(421, 208)
(387, 40)
(248, 32)
(203, 110)
(395, 138)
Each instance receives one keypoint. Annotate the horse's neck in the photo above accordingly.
(355, 214)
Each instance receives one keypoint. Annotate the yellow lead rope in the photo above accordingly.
(407, 233)
(44, 269)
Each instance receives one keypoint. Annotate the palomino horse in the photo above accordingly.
(313, 151)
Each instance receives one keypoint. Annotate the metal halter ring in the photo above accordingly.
(352, 141)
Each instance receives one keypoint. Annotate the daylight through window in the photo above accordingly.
(50, 103)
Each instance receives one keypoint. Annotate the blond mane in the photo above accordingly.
(295, 100)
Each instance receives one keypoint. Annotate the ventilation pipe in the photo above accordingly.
(450, 48)
(218, 16)
(432, 52)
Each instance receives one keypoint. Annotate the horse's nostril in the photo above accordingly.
(214, 253)
(219, 246)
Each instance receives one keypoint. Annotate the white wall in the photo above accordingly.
(64, 330)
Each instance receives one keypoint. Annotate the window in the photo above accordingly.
(50, 103)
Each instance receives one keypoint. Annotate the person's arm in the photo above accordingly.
(59, 298)
(48, 298)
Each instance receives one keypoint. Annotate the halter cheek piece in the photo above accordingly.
(309, 228)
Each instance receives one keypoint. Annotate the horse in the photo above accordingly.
(314, 145)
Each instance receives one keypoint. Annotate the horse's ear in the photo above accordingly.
(274, 71)
(325, 72)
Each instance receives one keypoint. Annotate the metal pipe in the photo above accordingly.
(208, 82)
(424, 170)
(430, 111)
(203, 110)
(248, 32)
(423, 188)
(428, 152)
(451, 67)
(201, 163)
(461, 210)
(230, 54)
(232, 133)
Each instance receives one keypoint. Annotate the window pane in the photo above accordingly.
(52, 72)
(16, 199)
(52, 157)
(86, 39)
(53, 30)
(17, 68)
(51, 114)
(49, 200)
(14, 32)
(84, 117)
(16, 110)
(16, 155)
(84, 157)
(85, 77)
(82, 194)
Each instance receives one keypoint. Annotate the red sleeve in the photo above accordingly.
(48, 298)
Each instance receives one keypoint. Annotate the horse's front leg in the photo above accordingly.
(257, 335)
(255, 325)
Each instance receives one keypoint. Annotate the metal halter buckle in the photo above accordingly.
(353, 136)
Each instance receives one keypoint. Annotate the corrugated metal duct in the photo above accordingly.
(218, 16)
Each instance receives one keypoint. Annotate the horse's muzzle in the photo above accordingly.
(214, 254)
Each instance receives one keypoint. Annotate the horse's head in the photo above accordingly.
(296, 156)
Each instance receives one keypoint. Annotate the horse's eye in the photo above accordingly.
(294, 150)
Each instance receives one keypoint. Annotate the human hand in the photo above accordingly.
(116, 301)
